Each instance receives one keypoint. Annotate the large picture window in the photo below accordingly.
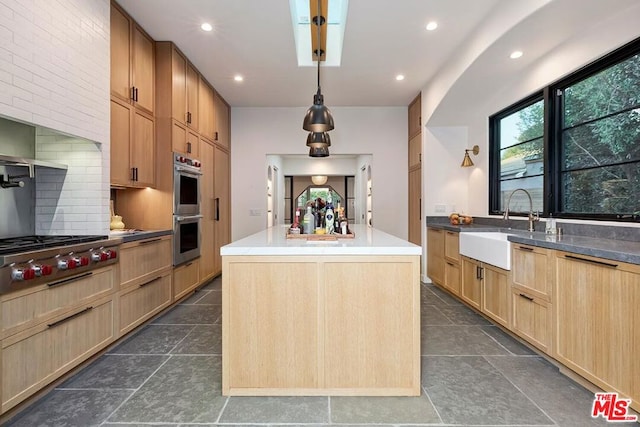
(580, 156)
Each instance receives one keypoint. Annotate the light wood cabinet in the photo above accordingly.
(221, 205)
(33, 358)
(30, 306)
(177, 81)
(339, 325)
(487, 289)
(435, 255)
(452, 272)
(206, 119)
(193, 82)
(143, 260)
(531, 270)
(132, 103)
(184, 140)
(145, 281)
(143, 301)
(185, 279)
(222, 116)
(471, 287)
(415, 151)
(597, 325)
(415, 175)
(132, 62)
(531, 318)
(208, 261)
(496, 295)
(415, 208)
(132, 146)
(415, 116)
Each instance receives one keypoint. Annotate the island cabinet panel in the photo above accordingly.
(360, 352)
(321, 325)
(274, 318)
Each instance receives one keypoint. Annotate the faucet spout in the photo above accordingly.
(532, 218)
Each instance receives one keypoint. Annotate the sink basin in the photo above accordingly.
(490, 247)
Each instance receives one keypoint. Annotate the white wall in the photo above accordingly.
(379, 131)
(54, 73)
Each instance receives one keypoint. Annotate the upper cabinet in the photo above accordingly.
(132, 62)
(415, 117)
(222, 135)
(206, 122)
(192, 97)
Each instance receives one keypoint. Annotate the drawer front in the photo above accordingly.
(143, 301)
(21, 310)
(139, 260)
(49, 350)
(185, 278)
(531, 319)
(530, 269)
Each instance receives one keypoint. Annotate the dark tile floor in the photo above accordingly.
(168, 374)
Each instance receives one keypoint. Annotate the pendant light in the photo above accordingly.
(318, 143)
(318, 117)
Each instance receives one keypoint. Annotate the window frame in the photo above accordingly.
(552, 139)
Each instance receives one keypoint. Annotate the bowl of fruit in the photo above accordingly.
(459, 219)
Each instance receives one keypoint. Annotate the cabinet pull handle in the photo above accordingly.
(217, 199)
(450, 263)
(146, 242)
(479, 272)
(135, 94)
(215, 136)
(527, 297)
(132, 93)
(150, 282)
(61, 321)
(188, 264)
(420, 209)
(188, 147)
(591, 261)
(524, 248)
(70, 279)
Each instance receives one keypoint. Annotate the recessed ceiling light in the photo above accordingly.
(432, 26)
(400, 77)
(238, 78)
(206, 27)
(515, 54)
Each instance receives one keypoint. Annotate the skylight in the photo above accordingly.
(301, 22)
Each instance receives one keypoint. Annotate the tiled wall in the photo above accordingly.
(54, 73)
(75, 201)
(54, 65)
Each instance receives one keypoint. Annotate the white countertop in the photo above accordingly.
(367, 241)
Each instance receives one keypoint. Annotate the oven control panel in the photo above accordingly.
(180, 160)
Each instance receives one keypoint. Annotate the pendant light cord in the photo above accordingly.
(319, 49)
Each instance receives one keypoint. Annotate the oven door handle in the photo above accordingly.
(188, 171)
(180, 218)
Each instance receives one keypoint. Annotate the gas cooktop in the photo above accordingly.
(11, 245)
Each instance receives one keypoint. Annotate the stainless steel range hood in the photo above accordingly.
(29, 163)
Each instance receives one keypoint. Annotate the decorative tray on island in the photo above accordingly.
(334, 236)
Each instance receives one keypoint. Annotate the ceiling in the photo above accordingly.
(255, 39)
(383, 38)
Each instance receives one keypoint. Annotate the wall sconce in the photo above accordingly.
(466, 162)
(319, 179)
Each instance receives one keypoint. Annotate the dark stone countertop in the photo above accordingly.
(611, 249)
(133, 235)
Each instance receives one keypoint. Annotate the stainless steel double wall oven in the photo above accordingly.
(186, 208)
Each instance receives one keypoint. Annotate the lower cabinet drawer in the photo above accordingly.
(24, 309)
(531, 319)
(140, 302)
(35, 357)
(185, 278)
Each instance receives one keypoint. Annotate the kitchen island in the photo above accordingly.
(321, 317)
